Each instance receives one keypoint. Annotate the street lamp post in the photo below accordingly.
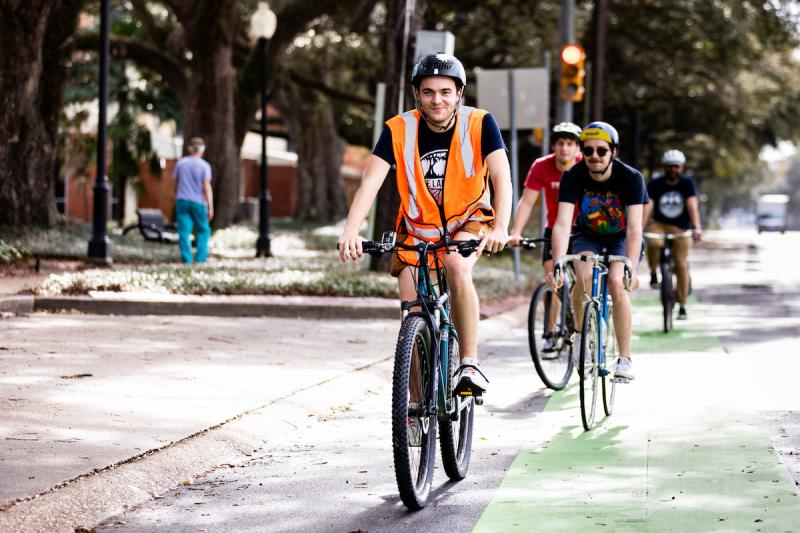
(262, 28)
(100, 245)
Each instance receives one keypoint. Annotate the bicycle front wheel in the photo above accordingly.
(667, 295)
(588, 369)
(455, 431)
(413, 428)
(555, 365)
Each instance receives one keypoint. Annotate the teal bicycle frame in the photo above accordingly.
(432, 300)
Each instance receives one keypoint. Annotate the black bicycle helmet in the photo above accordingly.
(439, 64)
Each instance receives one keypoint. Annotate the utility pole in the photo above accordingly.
(598, 58)
(567, 36)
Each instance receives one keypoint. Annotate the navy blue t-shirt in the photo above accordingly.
(669, 201)
(602, 205)
(434, 147)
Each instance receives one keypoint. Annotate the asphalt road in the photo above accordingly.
(705, 439)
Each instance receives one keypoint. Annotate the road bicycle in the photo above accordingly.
(550, 331)
(598, 350)
(427, 360)
(666, 266)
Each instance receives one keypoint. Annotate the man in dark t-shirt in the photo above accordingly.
(610, 198)
(674, 208)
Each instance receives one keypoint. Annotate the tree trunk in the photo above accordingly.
(32, 80)
(210, 110)
(388, 201)
(309, 116)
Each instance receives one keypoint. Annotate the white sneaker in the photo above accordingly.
(623, 368)
(471, 381)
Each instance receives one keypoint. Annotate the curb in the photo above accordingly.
(319, 307)
(225, 306)
(18, 304)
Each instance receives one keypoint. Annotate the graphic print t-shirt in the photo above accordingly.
(433, 150)
(669, 201)
(602, 205)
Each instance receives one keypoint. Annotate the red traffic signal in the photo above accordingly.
(572, 72)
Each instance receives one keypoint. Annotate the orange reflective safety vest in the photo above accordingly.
(465, 196)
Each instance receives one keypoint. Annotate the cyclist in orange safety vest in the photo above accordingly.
(446, 154)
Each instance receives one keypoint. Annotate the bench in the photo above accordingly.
(153, 226)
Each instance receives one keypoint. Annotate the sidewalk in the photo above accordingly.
(99, 414)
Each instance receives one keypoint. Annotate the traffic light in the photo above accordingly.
(572, 72)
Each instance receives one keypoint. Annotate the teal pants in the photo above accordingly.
(188, 216)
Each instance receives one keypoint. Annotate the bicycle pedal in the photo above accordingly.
(620, 379)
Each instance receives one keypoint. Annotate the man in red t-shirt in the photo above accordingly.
(545, 175)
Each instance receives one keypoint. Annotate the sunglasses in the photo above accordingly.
(588, 151)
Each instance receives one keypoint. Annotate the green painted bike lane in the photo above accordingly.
(681, 452)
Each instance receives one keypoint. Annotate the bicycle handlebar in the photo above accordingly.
(667, 236)
(377, 249)
(595, 259)
(529, 244)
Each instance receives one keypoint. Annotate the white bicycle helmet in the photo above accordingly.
(566, 129)
(673, 157)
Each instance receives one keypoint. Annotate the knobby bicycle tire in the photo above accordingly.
(455, 436)
(554, 373)
(413, 465)
(588, 369)
(667, 295)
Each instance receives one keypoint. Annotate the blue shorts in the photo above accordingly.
(613, 245)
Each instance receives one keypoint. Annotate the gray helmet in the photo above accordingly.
(439, 64)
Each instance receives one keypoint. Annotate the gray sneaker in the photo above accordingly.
(576, 348)
(551, 348)
(623, 368)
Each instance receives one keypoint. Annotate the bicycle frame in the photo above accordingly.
(667, 267)
(600, 295)
(600, 266)
(432, 301)
(665, 254)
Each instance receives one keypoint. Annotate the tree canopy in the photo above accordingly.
(715, 78)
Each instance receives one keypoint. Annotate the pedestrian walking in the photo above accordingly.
(194, 201)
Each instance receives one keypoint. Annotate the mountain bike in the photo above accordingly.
(427, 359)
(598, 349)
(666, 266)
(550, 330)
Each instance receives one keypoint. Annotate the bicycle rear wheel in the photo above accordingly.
(413, 428)
(588, 369)
(455, 434)
(554, 368)
(611, 352)
(667, 295)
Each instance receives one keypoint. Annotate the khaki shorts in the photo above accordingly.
(475, 227)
